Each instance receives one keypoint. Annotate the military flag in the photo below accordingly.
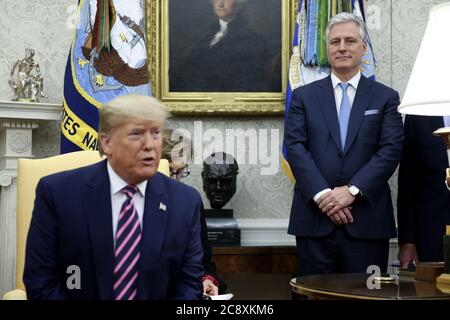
(107, 58)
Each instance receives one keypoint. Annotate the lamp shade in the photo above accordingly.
(428, 89)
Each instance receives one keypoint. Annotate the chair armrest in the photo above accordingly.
(17, 294)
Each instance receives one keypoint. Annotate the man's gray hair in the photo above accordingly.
(176, 146)
(344, 17)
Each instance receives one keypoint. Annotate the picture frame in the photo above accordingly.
(173, 30)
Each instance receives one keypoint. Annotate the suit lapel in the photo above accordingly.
(97, 206)
(156, 211)
(360, 104)
(328, 105)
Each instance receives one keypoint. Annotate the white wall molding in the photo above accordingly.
(265, 232)
(30, 110)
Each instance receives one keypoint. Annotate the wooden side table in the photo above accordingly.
(268, 259)
(256, 273)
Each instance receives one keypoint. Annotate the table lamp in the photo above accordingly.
(428, 89)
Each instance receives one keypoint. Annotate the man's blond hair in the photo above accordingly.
(126, 108)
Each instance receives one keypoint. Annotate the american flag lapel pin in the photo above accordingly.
(162, 206)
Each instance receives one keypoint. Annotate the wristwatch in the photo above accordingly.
(354, 191)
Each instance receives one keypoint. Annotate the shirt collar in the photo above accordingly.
(223, 25)
(117, 183)
(353, 81)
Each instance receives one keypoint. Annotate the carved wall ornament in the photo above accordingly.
(20, 142)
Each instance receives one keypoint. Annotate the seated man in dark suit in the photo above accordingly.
(131, 232)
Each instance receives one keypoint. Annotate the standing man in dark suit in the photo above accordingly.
(343, 139)
(131, 232)
(423, 207)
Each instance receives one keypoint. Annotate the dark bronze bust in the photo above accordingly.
(219, 178)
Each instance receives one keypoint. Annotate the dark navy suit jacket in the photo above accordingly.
(423, 199)
(72, 225)
(372, 152)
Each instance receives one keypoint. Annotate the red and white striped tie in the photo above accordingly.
(127, 253)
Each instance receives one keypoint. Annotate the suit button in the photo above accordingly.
(340, 155)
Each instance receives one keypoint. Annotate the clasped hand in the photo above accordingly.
(336, 205)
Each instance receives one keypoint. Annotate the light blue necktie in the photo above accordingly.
(344, 113)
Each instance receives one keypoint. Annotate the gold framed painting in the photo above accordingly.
(219, 57)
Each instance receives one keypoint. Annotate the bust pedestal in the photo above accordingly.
(223, 229)
(17, 122)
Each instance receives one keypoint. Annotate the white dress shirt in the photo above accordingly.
(351, 92)
(118, 198)
(220, 34)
